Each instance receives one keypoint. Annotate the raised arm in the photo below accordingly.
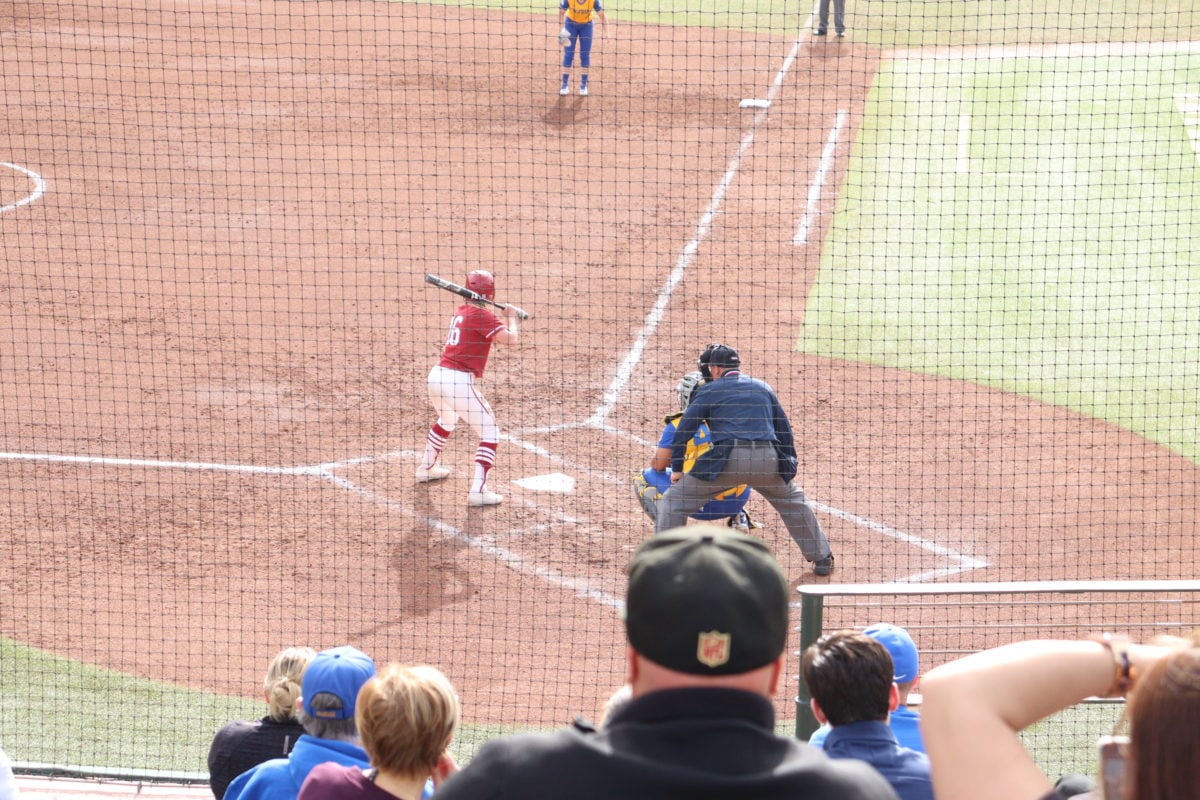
(974, 707)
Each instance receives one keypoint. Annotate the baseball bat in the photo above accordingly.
(463, 291)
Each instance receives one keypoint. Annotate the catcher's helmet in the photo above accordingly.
(718, 355)
(687, 387)
(482, 283)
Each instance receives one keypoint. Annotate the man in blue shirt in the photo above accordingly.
(328, 691)
(906, 663)
(752, 444)
(849, 676)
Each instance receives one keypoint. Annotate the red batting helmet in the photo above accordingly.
(482, 283)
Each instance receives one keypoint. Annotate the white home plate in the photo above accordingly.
(554, 482)
(754, 102)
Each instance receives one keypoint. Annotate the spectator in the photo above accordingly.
(8, 784)
(406, 717)
(974, 708)
(706, 619)
(849, 675)
(241, 745)
(328, 691)
(903, 721)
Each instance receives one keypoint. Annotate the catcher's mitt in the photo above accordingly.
(564, 37)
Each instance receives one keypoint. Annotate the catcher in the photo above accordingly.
(729, 505)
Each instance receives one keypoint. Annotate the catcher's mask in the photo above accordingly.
(717, 355)
(482, 283)
(687, 387)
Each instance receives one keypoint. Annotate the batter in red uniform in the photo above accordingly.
(452, 389)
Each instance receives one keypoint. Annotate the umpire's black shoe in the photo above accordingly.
(818, 31)
(823, 566)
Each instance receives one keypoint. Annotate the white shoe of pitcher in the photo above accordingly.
(484, 498)
(424, 475)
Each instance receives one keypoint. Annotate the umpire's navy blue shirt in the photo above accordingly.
(736, 408)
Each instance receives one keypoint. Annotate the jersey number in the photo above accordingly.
(455, 334)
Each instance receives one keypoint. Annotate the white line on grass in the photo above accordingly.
(962, 156)
(39, 186)
(813, 207)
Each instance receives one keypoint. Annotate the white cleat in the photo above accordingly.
(484, 498)
(583, 91)
(431, 474)
(564, 90)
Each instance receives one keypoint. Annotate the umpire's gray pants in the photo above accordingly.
(754, 464)
(839, 15)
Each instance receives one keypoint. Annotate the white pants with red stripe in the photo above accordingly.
(453, 395)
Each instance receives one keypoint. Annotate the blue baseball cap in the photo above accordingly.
(906, 664)
(340, 672)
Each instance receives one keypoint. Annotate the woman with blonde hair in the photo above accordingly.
(974, 708)
(242, 744)
(406, 719)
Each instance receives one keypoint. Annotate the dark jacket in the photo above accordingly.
(736, 408)
(241, 745)
(700, 744)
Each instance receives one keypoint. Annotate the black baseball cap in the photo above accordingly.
(720, 355)
(706, 600)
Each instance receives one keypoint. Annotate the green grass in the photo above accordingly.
(94, 717)
(101, 720)
(1061, 261)
(914, 23)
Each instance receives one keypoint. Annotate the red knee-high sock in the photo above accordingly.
(434, 443)
(485, 459)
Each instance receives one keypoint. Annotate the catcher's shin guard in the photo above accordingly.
(647, 495)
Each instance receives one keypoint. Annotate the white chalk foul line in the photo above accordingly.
(812, 209)
(39, 186)
(514, 561)
(141, 462)
(961, 563)
(703, 228)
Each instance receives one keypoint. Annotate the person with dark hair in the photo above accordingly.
(849, 676)
(706, 621)
(241, 744)
(975, 707)
(328, 691)
(906, 664)
(406, 718)
(752, 444)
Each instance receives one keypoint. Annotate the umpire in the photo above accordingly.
(752, 445)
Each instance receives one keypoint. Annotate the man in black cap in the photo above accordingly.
(706, 617)
(751, 444)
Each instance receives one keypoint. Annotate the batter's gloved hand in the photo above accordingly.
(564, 37)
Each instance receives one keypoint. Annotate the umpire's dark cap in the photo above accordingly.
(706, 600)
(720, 355)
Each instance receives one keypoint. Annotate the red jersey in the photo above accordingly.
(470, 339)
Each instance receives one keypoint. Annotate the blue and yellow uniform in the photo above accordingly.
(577, 17)
(725, 504)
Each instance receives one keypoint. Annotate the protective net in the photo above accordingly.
(960, 242)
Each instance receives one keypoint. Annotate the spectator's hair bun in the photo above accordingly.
(282, 682)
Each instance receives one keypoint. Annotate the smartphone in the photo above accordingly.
(1113, 751)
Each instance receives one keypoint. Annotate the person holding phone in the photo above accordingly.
(974, 708)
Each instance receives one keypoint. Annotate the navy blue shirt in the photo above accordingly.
(873, 742)
(736, 408)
